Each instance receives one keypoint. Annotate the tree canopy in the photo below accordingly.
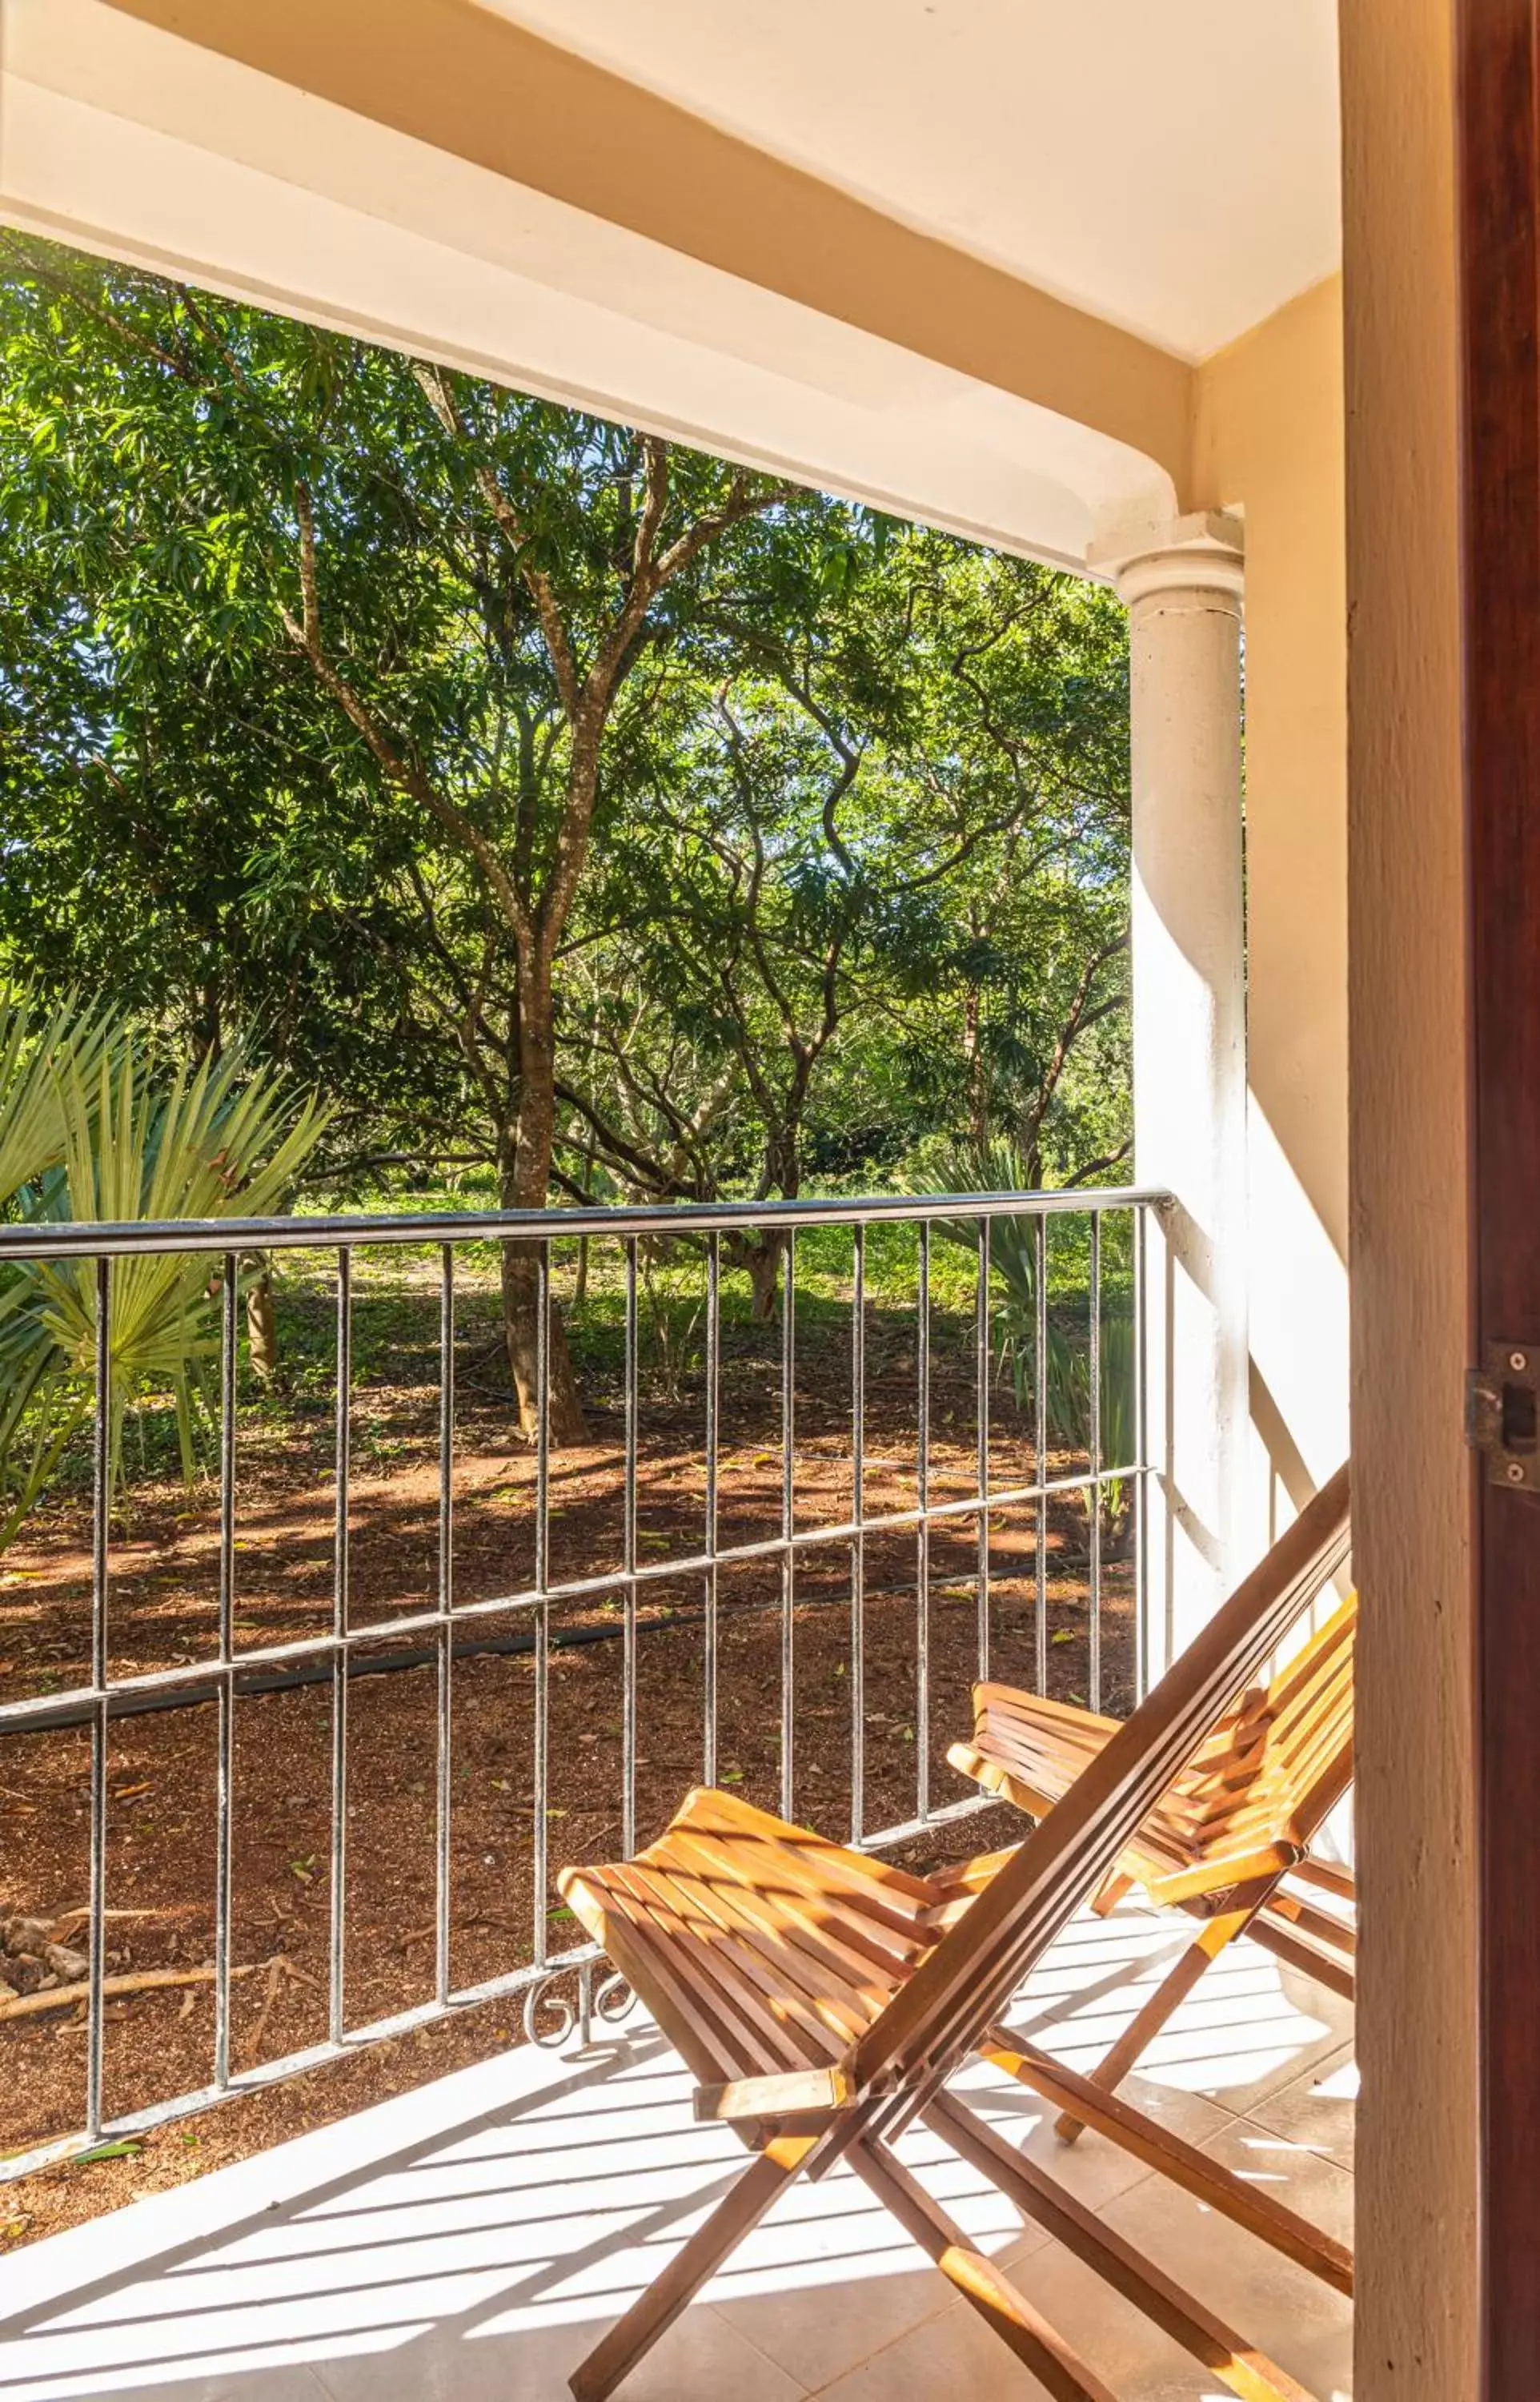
(553, 797)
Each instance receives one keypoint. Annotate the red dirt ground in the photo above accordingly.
(162, 1767)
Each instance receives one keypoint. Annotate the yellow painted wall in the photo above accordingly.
(1268, 441)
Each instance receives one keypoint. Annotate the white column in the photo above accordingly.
(1184, 594)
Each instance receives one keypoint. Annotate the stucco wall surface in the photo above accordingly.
(1268, 441)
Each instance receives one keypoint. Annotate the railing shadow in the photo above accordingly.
(487, 2227)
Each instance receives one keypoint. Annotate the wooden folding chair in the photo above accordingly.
(1220, 1841)
(823, 1998)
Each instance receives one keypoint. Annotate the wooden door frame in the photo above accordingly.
(1498, 90)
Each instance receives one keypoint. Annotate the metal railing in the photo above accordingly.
(337, 1655)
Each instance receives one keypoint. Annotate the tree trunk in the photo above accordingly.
(762, 1261)
(978, 1081)
(580, 1286)
(566, 1422)
(262, 1326)
(526, 1185)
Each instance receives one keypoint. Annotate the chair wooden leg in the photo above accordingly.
(1110, 1892)
(1331, 1968)
(1189, 2322)
(1330, 1875)
(675, 2287)
(1196, 2172)
(1173, 1990)
(1056, 2363)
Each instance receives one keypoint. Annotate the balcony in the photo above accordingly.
(773, 1577)
(841, 275)
(477, 2235)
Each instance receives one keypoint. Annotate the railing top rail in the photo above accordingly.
(119, 1240)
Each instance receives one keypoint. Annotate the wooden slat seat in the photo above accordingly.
(823, 1998)
(769, 1948)
(1230, 1829)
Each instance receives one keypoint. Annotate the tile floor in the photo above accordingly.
(473, 2239)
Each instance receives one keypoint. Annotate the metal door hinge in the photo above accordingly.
(1503, 1414)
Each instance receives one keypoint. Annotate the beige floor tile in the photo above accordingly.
(1318, 2108)
(701, 2354)
(699, 2357)
(1136, 2358)
(831, 2277)
(290, 2384)
(952, 2354)
(1092, 2169)
(817, 2333)
(1292, 2173)
(1248, 2028)
(1303, 2325)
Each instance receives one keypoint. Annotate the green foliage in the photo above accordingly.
(879, 884)
(854, 867)
(33, 1122)
(90, 1133)
(950, 1166)
(562, 802)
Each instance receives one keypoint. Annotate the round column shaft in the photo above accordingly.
(1189, 1059)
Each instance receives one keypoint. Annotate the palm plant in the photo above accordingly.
(88, 1133)
(1070, 1401)
(33, 1048)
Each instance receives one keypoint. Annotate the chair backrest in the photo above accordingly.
(1281, 1761)
(940, 2013)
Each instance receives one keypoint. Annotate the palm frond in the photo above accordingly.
(219, 1142)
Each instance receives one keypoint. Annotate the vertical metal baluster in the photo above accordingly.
(339, 1632)
(1093, 1491)
(101, 1508)
(542, 1605)
(983, 1363)
(226, 1773)
(1040, 1412)
(446, 1604)
(713, 1384)
(787, 1523)
(858, 1540)
(1141, 1497)
(922, 1533)
(629, 1538)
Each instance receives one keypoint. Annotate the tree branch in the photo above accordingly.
(401, 771)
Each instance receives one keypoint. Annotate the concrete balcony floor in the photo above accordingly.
(473, 2238)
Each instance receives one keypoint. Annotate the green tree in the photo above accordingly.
(484, 592)
(549, 797)
(901, 807)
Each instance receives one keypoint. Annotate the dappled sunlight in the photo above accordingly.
(480, 2232)
(1243, 2025)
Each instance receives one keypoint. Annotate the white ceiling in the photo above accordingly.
(129, 142)
(1169, 164)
